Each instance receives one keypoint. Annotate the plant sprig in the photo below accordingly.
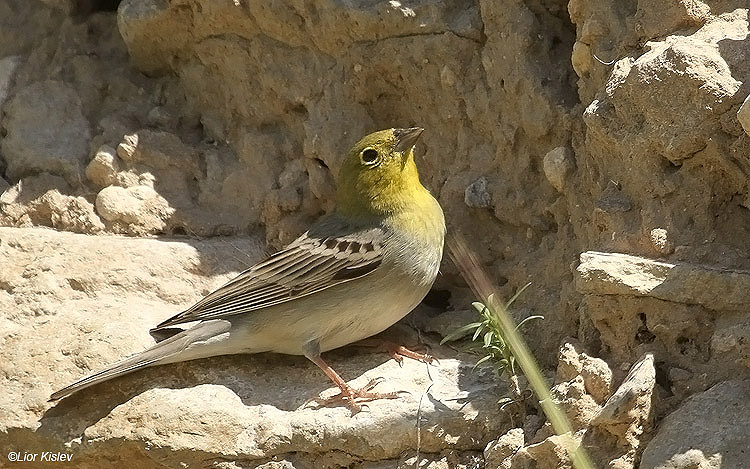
(492, 335)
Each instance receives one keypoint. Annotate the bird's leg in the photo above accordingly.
(397, 352)
(348, 394)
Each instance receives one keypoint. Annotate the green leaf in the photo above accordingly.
(478, 306)
(480, 361)
(488, 339)
(515, 297)
(460, 332)
(528, 319)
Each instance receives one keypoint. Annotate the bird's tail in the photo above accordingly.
(187, 345)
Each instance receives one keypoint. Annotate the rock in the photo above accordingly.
(42, 200)
(709, 430)
(498, 453)
(579, 406)
(661, 241)
(246, 409)
(674, 66)
(621, 274)
(743, 115)
(627, 413)
(46, 131)
(477, 194)
(103, 168)
(137, 208)
(8, 66)
(3, 187)
(558, 164)
(596, 375)
(551, 452)
(729, 340)
(581, 58)
(613, 199)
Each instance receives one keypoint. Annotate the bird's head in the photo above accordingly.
(379, 175)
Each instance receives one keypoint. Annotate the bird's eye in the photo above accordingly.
(369, 155)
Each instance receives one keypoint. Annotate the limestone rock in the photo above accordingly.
(596, 375)
(626, 414)
(621, 274)
(498, 453)
(46, 131)
(558, 164)
(8, 66)
(103, 168)
(709, 431)
(477, 194)
(138, 208)
(579, 406)
(43, 200)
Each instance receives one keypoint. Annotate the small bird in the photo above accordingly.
(354, 273)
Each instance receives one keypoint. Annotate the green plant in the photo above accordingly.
(490, 329)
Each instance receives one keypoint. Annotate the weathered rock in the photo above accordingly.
(596, 375)
(46, 131)
(498, 453)
(138, 208)
(621, 274)
(558, 164)
(579, 406)
(627, 413)
(43, 200)
(553, 451)
(477, 194)
(8, 66)
(708, 431)
(103, 168)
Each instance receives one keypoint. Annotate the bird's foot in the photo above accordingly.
(398, 352)
(355, 398)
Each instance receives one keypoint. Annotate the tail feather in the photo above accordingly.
(168, 350)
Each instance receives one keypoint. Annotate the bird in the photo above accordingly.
(354, 273)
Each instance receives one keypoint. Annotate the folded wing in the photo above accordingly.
(310, 264)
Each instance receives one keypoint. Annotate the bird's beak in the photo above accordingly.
(406, 138)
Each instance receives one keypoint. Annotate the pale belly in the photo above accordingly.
(345, 314)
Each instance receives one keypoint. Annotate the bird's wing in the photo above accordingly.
(310, 264)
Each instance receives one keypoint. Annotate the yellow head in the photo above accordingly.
(379, 176)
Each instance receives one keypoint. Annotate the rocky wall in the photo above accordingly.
(554, 131)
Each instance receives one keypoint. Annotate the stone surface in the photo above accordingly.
(46, 131)
(103, 168)
(627, 413)
(708, 431)
(595, 373)
(621, 274)
(8, 66)
(498, 453)
(558, 164)
(137, 206)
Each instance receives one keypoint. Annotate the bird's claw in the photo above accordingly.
(398, 352)
(356, 399)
